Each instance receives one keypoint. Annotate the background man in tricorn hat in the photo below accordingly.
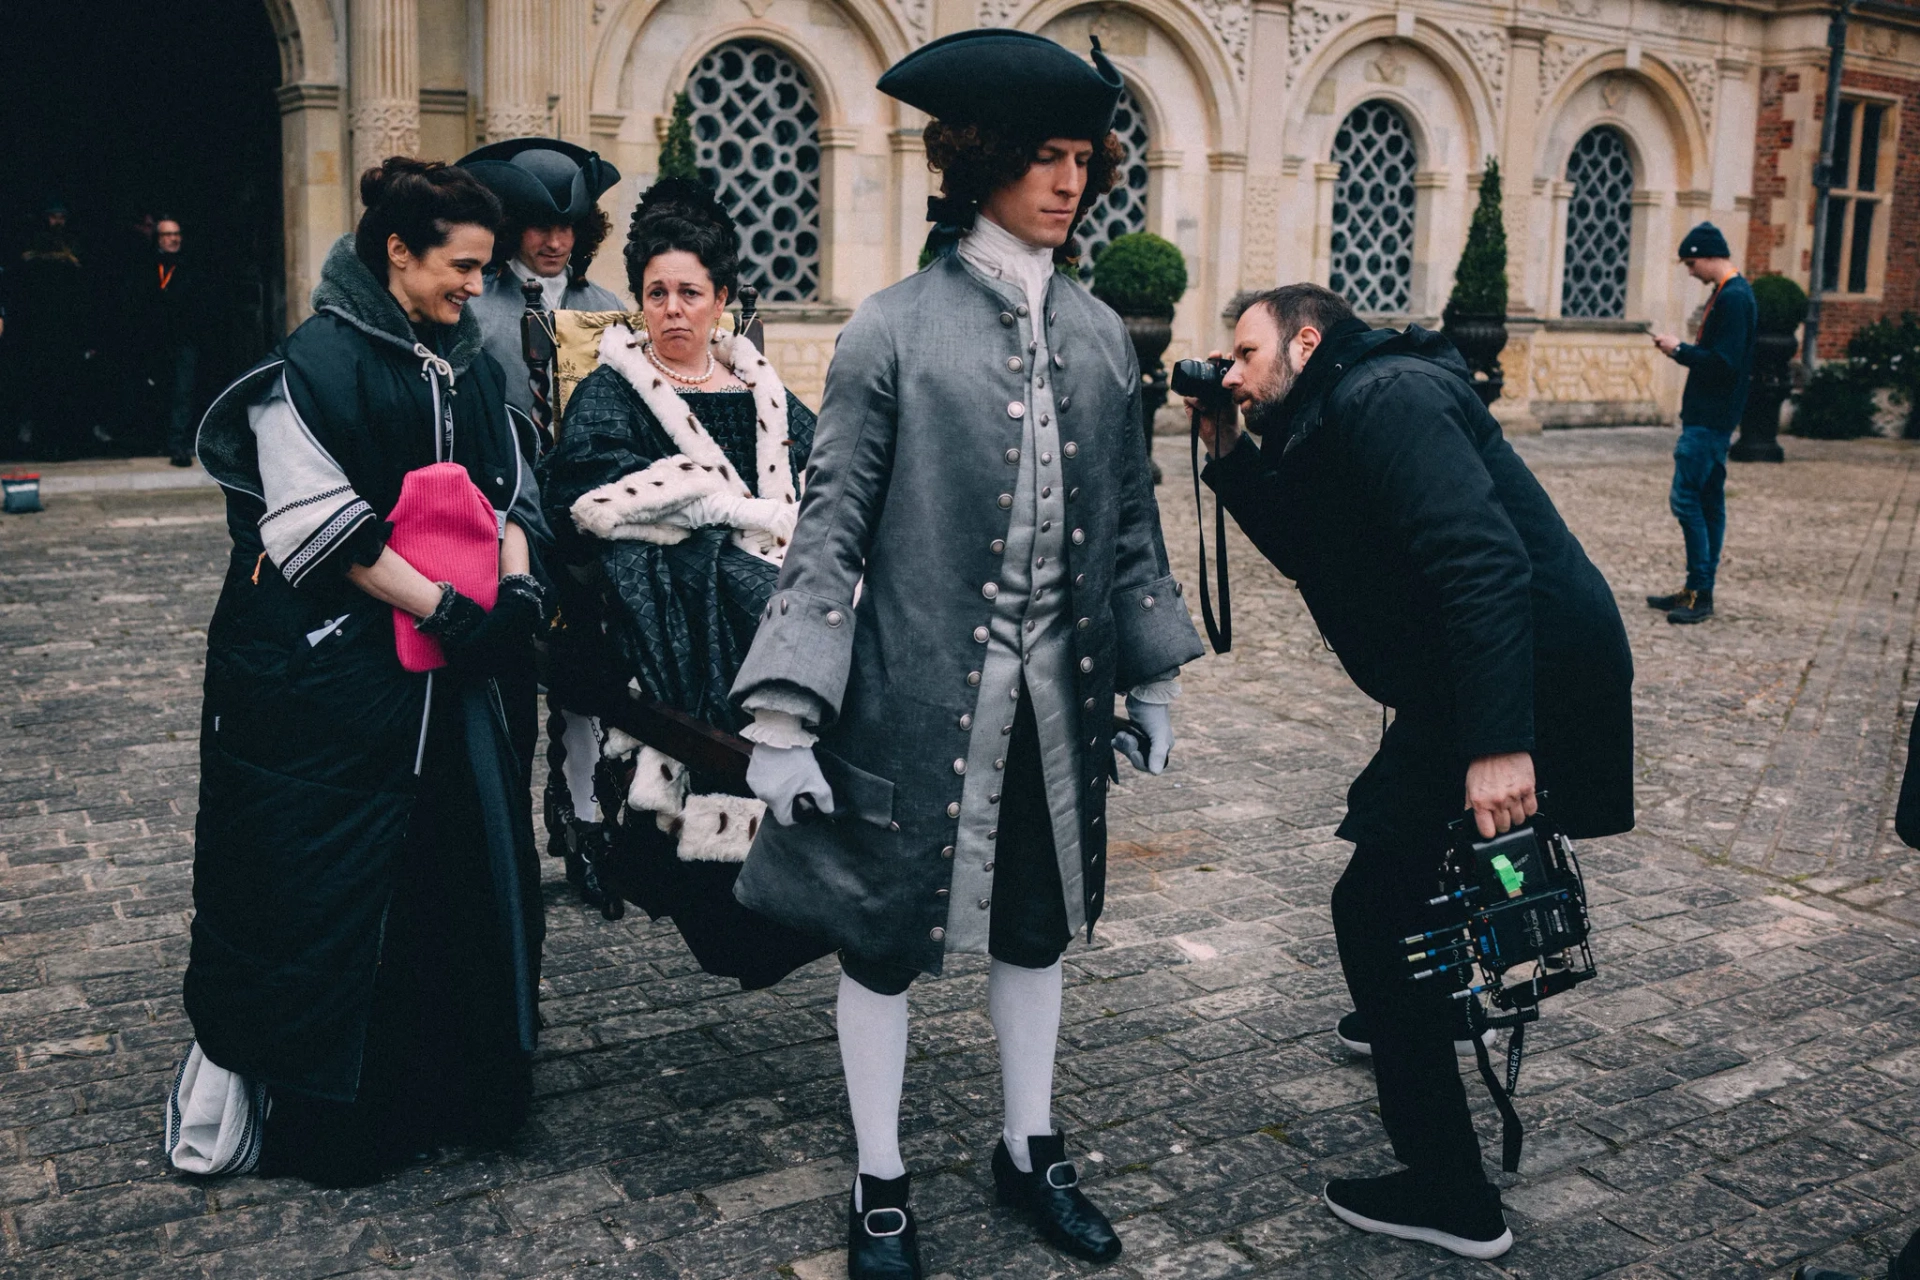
(1719, 370)
(548, 190)
(979, 466)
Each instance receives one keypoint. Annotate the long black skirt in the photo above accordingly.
(442, 1062)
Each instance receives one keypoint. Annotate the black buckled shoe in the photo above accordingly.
(1051, 1199)
(882, 1241)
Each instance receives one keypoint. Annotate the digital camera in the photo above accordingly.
(1201, 380)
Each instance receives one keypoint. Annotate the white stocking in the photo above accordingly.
(1025, 1007)
(873, 1054)
(582, 745)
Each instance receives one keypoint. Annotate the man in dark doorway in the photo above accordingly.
(166, 303)
(49, 322)
(1719, 369)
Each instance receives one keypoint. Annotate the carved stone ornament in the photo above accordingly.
(1232, 22)
(1487, 46)
(999, 13)
(600, 8)
(1684, 19)
(1556, 60)
(517, 120)
(1260, 235)
(382, 129)
(1386, 69)
(1309, 29)
(1702, 79)
(1580, 8)
(918, 17)
(1614, 90)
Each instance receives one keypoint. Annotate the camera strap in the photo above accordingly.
(1511, 1133)
(1220, 634)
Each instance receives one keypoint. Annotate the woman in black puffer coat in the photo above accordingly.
(367, 939)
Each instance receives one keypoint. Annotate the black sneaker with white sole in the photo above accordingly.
(1409, 1206)
(1352, 1032)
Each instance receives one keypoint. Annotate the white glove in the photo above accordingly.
(768, 522)
(1149, 756)
(779, 776)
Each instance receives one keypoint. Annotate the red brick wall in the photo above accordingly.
(1772, 145)
(1838, 320)
(1778, 148)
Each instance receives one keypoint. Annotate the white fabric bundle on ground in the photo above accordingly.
(214, 1118)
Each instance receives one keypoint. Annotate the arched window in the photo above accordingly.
(1123, 209)
(1373, 210)
(1599, 226)
(756, 135)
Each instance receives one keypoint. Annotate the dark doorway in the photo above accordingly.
(123, 108)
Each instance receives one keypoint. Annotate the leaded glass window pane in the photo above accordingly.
(756, 135)
(1373, 210)
(1599, 226)
(1123, 209)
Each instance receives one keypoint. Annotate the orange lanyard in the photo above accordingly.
(166, 276)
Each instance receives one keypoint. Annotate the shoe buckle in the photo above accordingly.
(868, 1217)
(1073, 1175)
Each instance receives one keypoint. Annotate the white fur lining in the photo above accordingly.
(618, 745)
(651, 505)
(719, 828)
(659, 786)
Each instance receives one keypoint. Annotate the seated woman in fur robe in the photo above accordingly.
(672, 492)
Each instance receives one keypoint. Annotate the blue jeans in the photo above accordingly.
(1698, 500)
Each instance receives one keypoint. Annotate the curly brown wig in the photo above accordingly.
(588, 235)
(974, 160)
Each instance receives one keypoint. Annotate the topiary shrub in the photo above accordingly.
(1837, 404)
(1480, 281)
(1782, 303)
(677, 159)
(1140, 275)
(1886, 354)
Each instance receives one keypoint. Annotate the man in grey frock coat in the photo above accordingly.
(977, 566)
(549, 190)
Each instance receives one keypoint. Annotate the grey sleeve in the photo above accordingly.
(805, 640)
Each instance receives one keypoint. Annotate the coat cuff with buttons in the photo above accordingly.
(804, 642)
(1152, 632)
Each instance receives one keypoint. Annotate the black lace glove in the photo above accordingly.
(480, 643)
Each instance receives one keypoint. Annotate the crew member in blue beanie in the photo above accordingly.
(1719, 368)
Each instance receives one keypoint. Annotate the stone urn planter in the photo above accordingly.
(1480, 340)
(1150, 335)
(1141, 277)
(1772, 383)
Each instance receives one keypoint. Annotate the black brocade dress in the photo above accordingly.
(679, 619)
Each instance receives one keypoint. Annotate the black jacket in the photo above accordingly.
(1720, 366)
(1440, 572)
(310, 731)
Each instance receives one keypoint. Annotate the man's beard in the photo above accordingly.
(1262, 412)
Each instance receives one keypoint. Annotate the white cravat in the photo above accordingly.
(552, 288)
(1003, 255)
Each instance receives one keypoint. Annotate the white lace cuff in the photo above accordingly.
(778, 729)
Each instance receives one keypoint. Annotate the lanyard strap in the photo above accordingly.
(166, 276)
(1220, 635)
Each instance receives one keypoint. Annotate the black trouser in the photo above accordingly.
(1029, 926)
(1382, 899)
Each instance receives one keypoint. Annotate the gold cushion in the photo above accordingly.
(576, 341)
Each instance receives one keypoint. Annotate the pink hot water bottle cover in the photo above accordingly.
(444, 527)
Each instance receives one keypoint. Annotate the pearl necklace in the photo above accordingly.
(646, 349)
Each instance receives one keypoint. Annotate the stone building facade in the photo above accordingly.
(1340, 141)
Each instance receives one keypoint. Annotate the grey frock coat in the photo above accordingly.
(983, 470)
(499, 308)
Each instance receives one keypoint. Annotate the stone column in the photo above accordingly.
(1526, 291)
(1735, 117)
(1226, 197)
(573, 68)
(838, 170)
(516, 101)
(1433, 255)
(1326, 174)
(1266, 100)
(311, 186)
(385, 57)
(1560, 192)
(911, 185)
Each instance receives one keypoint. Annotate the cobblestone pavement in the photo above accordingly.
(1737, 1092)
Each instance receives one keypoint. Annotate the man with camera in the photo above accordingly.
(1439, 571)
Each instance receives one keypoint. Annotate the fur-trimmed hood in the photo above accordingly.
(348, 290)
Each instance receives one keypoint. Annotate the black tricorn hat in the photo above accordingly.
(541, 181)
(1011, 80)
